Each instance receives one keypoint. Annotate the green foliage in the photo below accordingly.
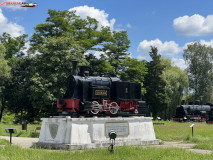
(4, 68)
(67, 24)
(155, 84)
(13, 50)
(200, 71)
(99, 66)
(51, 69)
(13, 46)
(8, 119)
(116, 50)
(176, 80)
(134, 70)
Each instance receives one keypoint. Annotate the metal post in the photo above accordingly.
(192, 131)
(10, 138)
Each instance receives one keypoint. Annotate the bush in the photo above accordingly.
(8, 119)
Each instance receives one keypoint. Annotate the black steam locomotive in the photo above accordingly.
(194, 112)
(96, 95)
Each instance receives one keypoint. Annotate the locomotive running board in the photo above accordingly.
(75, 115)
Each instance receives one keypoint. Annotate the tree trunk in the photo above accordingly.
(21, 116)
(2, 107)
(154, 114)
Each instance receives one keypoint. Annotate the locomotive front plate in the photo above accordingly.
(101, 92)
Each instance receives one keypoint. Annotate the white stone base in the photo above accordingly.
(80, 133)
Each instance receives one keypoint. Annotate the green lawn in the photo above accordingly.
(20, 133)
(175, 131)
(4, 142)
(120, 153)
(171, 131)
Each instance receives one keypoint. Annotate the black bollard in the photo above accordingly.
(11, 131)
(192, 128)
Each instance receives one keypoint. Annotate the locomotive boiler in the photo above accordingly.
(193, 112)
(94, 95)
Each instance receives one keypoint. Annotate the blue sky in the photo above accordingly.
(168, 25)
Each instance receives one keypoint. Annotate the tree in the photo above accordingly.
(99, 66)
(18, 92)
(4, 76)
(116, 50)
(14, 46)
(176, 81)
(11, 48)
(84, 32)
(51, 69)
(155, 85)
(200, 70)
(134, 70)
(62, 38)
(4, 68)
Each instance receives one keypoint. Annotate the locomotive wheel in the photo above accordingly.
(113, 108)
(95, 107)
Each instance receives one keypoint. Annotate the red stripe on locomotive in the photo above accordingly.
(71, 105)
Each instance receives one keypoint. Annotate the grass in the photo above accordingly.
(170, 131)
(4, 142)
(120, 153)
(20, 132)
(175, 131)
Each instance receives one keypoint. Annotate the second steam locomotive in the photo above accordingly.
(100, 95)
(194, 112)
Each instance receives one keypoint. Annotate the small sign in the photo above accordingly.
(10, 130)
(121, 128)
(101, 92)
(192, 125)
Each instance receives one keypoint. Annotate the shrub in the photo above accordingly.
(8, 119)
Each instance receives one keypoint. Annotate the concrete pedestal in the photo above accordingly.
(80, 133)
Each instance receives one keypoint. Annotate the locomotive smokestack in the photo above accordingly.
(74, 67)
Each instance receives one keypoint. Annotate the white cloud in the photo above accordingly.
(97, 54)
(12, 28)
(203, 42)
(195, 25)
(129, 25)
(167, 48)
(179, 62)
(207, 43)
(100, 15)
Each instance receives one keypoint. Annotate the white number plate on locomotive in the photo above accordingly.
(121, 128)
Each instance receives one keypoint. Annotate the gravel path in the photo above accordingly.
(28, 142)
(21, 141)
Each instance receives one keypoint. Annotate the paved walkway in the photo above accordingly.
(21, 141)
(28, 142)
